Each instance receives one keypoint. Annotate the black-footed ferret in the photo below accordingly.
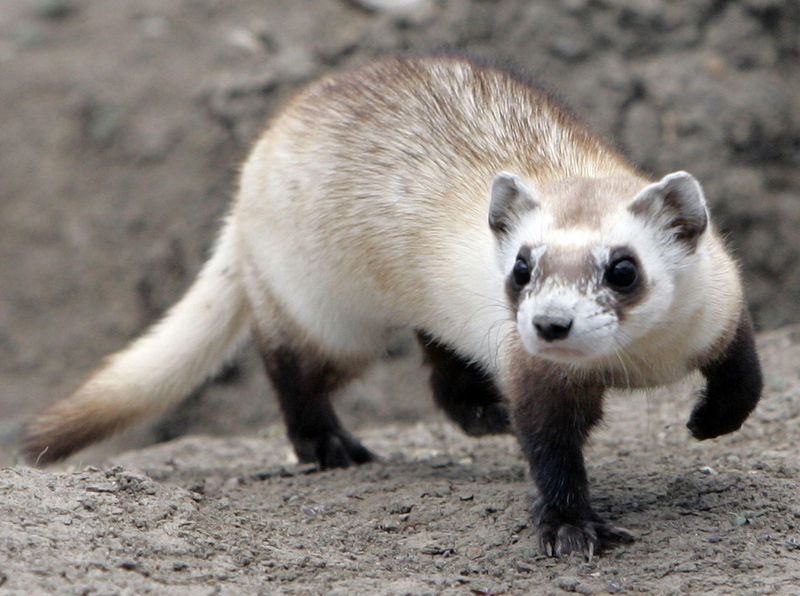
(537, 266)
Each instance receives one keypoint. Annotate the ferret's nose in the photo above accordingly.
(551, 328)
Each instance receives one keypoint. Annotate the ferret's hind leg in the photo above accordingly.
(465, 393)
(304, 382)
(304, 375)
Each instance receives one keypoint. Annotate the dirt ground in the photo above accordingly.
(441, 514)
(121, 128)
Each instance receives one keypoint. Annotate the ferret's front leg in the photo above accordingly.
(553, 420)
(733, 386)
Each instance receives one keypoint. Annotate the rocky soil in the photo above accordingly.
(121, 128)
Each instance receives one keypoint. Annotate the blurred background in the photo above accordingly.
(122, 125)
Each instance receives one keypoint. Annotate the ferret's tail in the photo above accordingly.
(157, 370)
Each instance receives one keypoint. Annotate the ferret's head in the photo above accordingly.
(594, 265)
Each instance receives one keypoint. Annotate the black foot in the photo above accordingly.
(332, 449)
(733, 386)
(490, 419)
(709, 420)
(559, 536)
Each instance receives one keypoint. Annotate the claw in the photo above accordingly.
(614, 533)
(560, 537)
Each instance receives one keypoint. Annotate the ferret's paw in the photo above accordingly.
(332, 449)
(559, 537)
(557, 541)
(709, 422)
(490, 419)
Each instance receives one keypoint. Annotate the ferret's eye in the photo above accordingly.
(622, 275)
(521, 272)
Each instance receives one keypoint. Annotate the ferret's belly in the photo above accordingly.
(333, 311)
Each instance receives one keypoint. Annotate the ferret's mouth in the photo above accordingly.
(562, 354)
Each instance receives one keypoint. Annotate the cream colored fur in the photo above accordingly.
(364, 207)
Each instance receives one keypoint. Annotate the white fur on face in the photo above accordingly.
(691, 293)
(594, 324)
(593, 331)
(597, 332)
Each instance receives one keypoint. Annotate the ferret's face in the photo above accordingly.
(591, 266)
(574, 301)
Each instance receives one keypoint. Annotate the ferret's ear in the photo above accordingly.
(511, 199)
(677, 204)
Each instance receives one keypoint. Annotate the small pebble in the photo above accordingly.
(568, 584)
(313, 511)
(389, 525)
(128, 565)
(400, 508)
(524, 567)
(473, 552)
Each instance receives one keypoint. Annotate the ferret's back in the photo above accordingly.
(444, 115)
